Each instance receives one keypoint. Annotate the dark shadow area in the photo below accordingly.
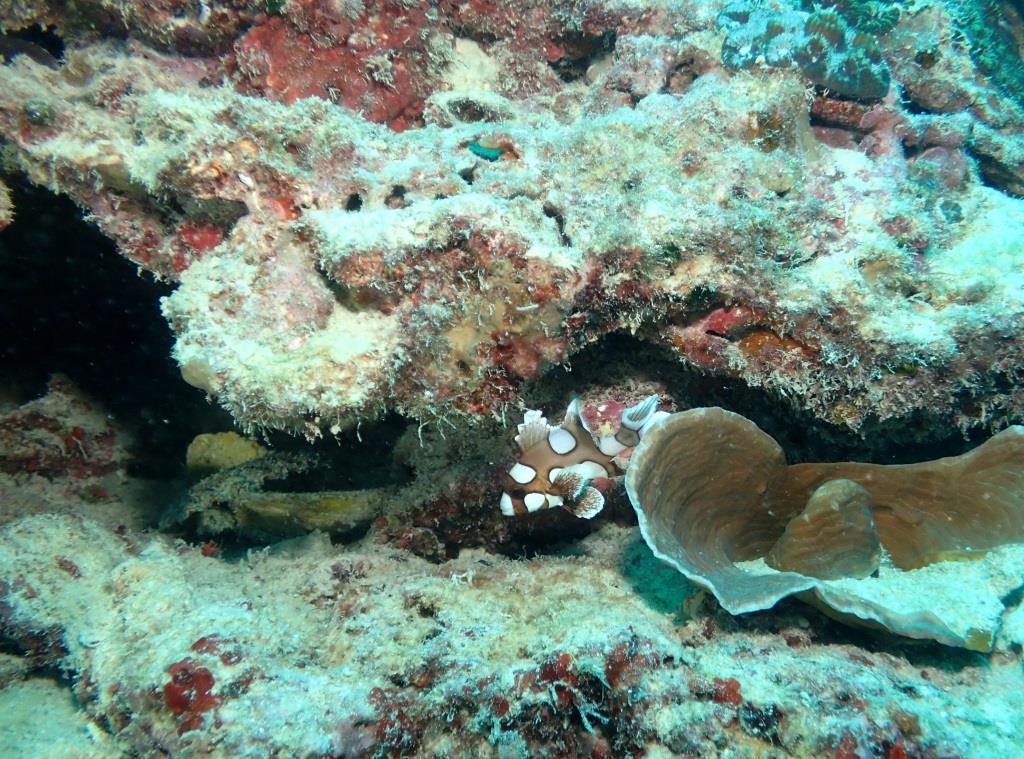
(580, 51)
(620, 358)
(825, 631)
(43, 45)
(998, 175)
(352, 460)
(70, 304)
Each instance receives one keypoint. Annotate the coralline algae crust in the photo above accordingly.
(311, 650)
(623, 192)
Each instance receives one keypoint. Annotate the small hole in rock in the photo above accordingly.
(396, 198)
(553, 213)
(580, 51)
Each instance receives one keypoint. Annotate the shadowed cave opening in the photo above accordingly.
(619, 359)
(42, 44)
(580, 51)
(70, 304)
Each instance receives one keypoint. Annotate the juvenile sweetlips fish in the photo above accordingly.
(557, 464)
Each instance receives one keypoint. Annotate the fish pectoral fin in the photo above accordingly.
(588, 505)
(609, 445)
(580, 498)
(569, 484)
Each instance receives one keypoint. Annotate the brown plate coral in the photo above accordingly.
(895, 546)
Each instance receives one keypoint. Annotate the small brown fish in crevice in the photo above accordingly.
(12, 46)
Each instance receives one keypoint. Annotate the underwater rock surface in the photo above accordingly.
(6, 208)
(308, 650)
(384, 227)
(485, 203)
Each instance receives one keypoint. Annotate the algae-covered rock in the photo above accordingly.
(821, 44)
(609, 167)
(314, 649)
(6, 206)
(237, 499)
(212, 452)
(272, 516)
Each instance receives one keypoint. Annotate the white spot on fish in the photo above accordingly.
(561, 440)
(522, 473)
(609, 446)
(589, 470)
(535, 501)
(506, 505)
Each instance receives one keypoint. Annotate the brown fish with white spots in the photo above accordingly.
(557, 464)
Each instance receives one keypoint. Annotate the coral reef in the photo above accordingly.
(305, 650)
(68, 445)
(62, 433)
(848, 256)
(380, 229)
(828, 52)
(992, 29)
(380, 59)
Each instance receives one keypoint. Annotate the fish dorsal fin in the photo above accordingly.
(574, 417)
(636, 416)
(533, 430)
